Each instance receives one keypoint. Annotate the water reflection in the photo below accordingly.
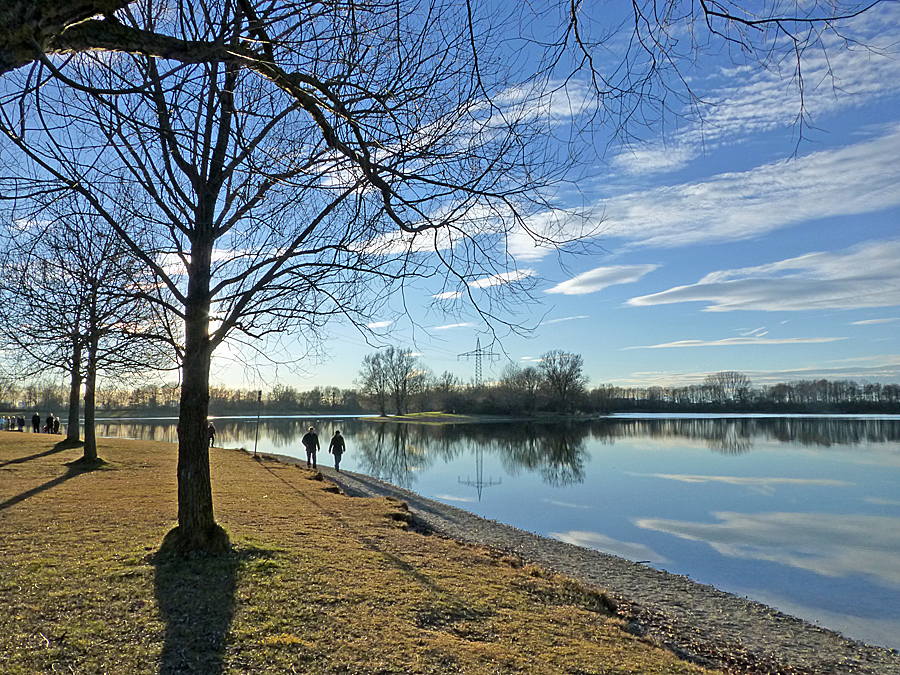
(827, 544)
(737, 435)
(557, 452)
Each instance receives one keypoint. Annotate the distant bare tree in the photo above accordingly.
(373, 381)
(728, 386)
(564, 378)
(524, 385)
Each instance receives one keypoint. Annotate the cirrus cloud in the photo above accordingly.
(601, 277)
(866, 275)
(733, 342)
(858, 178)
(502, 278)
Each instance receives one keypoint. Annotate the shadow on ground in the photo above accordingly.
(59, 447)
(73, 469)
(196, 597)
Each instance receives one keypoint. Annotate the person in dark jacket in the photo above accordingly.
(36, 423)
(337, 448)
(310, 441)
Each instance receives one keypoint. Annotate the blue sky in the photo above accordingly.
(740, 241)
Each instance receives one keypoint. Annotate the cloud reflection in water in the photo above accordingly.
(827, 544)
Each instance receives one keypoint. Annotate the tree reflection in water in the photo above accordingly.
(397, 452)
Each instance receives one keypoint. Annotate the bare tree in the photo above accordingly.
(69, 302)
(406, 376)
(392, 374)
(564, 378)
(728, 386)
(373, 381)
(524, 385)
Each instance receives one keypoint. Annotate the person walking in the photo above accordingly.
(211, 434)
(337, 448)
(310, 441)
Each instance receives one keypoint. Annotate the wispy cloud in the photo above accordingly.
(448, 295)
(601, 277)
(882, 502)
(859, 178)
(379, 324)
(747, 101)
(502, 278)
(742, 341)
(565, 505)
(659, 158)
(566, 318)
(449, 326)
(453, 498)
(866, 275)
(869, 322)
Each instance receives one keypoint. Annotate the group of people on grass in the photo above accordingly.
(51, 426)
(337, 447)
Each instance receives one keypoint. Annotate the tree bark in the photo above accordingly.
(27, 26)
(73, 428)
(90, 398)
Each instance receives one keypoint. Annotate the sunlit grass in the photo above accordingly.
(317, 582)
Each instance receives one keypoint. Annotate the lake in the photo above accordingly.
(801, 513)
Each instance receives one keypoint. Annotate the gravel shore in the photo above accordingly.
(697, 622)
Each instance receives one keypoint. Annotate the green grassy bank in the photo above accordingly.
(318, 582)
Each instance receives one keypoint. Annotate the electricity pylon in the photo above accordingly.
(478, 354)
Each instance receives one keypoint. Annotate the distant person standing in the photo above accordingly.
(36, 423)
(49, 428)
(211, 434)
(337, 448)
(55, 424)
(310, 441)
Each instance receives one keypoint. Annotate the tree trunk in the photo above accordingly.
(197, 529)
(90, 397)
(73, 428)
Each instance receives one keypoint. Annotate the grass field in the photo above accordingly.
(317, 582)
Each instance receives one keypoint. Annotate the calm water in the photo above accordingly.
(800, 513)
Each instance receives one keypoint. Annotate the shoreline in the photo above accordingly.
(697, 622)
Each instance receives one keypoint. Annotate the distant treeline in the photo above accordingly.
(720, 393)
(804, 396)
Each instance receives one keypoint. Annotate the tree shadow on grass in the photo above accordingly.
(59, 447)
(73, 469)
(196, 597)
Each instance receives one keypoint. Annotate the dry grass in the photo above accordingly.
(317, 582)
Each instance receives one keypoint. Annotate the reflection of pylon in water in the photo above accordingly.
(479, 483)
(477, 355)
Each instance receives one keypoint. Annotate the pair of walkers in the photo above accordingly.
(337, 447)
